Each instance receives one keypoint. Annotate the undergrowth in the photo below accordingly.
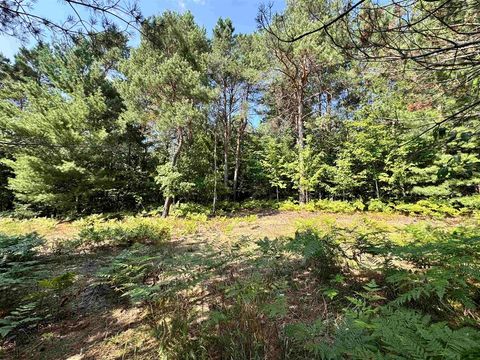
(367, 291)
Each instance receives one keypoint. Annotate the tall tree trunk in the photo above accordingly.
(300, 145)
(169, 198)
(226, 134)
(377, 190)
(226, 142)
(166, 206)
(214, 204)
(237, 165)
(238, 147)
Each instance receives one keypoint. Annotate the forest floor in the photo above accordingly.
(215, 266)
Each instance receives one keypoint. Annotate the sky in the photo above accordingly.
(206, 12)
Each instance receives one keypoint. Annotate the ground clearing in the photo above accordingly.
(234, 277)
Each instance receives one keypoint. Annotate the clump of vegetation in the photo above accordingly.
(337, 206)
(190, 210)
(334, 206)
(27, 295)
(124, 232)
(379, 206)
(428, 208)
(320, 252)
(368, 332)
(470, 203)
(132, 273)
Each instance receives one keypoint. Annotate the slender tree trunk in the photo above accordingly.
(166, 206)
(240, 134)
(237, 166)
(238, 153)
(226, 136)
(377, 190)
(214, 204)
(225, 157)
(276, 190)
(169, 198)
(300, 145)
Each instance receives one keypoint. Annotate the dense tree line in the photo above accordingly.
(91, 125)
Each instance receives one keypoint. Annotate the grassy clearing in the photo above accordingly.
(267, 286)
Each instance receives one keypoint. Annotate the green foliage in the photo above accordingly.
(18, 248)
(334, 206)
(445, 273)
(379, 206)
(129, 273)
(428, 208)
(190, 210)
(468, 202)
(77, 153)
(389, 333)
(22, 317)
(320, 252)
(337, 206)
(258, 205)
(124, 232)
(27, 296)
(19, 266)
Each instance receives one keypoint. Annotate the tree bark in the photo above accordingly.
(377, 190)
(169, 198)
(238, 147)
(226, 134)
(237, 164)
(214, 204)
(300, 144)
(225, 156)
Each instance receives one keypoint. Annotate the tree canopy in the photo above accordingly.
(305, 108)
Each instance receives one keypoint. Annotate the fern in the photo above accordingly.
(389, 334)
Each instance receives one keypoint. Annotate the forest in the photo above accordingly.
(307, 190)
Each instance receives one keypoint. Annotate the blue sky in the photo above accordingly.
(206, 12)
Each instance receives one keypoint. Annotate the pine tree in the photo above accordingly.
(165, 89)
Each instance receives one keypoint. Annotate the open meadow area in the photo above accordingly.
(250, 285)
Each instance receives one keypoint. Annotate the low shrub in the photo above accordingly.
(436, 269)
(189, 210)
(124, 233)
(428, 208)
(19, 267)
(43, 302)
(433, 275)
(379, 206)
(130, 271)
(18, 248)
(228, 206)
(289, 205)
(326, 205)
(469, 203)
(335, 206)
(385, 333)
(258, 205)
(321, 252)
(28, 296)
(358, 205)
